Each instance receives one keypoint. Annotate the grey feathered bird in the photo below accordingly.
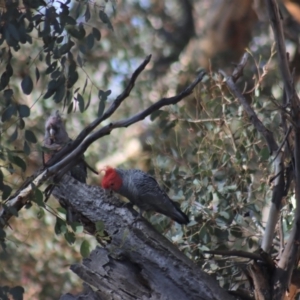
(56, 137)
(143, 191)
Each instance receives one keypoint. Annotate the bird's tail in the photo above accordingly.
(178, 215)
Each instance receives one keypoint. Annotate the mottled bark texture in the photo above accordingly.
(138, 263)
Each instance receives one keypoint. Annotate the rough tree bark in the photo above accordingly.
(138, 263)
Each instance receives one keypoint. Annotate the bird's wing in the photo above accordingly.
(152, 196)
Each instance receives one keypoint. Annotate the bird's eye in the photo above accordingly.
(112, 184)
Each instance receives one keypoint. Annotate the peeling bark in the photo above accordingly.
(139, 263)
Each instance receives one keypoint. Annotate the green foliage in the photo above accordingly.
(85, 249)
(38, 197)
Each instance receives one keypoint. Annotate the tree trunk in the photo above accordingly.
(138, 263)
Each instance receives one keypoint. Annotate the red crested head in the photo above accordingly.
(111, 180)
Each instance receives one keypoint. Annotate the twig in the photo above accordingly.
(238, 253)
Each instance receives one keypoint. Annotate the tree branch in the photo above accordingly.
(123, 123)
(113, 107)
(239, 253)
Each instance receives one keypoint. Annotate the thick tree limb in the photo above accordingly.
(139, 260)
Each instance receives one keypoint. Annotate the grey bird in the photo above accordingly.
(143, 191)
(56, 137)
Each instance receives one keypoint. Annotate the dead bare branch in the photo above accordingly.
(239, 253)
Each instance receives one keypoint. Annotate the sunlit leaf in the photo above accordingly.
(85, 249)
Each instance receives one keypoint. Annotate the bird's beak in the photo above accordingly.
(52, 132)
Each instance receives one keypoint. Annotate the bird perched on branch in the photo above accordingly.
(143, 191)
(56, 137)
